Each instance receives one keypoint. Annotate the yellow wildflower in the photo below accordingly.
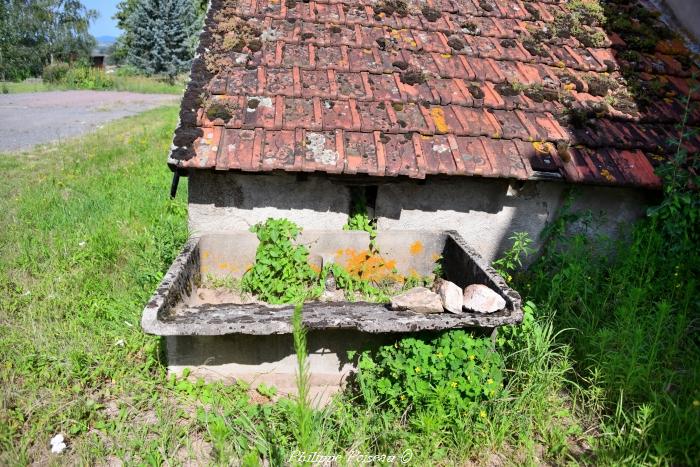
(417, 369)
(482, 414)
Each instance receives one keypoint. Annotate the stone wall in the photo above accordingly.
(484, 211)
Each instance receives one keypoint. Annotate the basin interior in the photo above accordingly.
(183, 307)
(414, 252)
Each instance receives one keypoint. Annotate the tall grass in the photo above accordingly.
(87, 231)
(304, 415)
(129, 83)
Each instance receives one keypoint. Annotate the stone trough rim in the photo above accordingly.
(317, 315)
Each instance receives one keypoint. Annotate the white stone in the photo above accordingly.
(451, 295)
(481, 299)
(418, 299)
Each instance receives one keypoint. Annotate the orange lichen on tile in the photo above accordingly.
(439, 119)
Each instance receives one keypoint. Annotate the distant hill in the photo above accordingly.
(106, 40)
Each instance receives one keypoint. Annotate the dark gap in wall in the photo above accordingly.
(363, 199)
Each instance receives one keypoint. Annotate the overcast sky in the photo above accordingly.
(105, 25)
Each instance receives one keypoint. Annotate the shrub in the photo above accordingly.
(453, 372)
(127, 70)
(84, 77)
(55, 73)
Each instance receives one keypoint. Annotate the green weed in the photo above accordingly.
(281, 272)
(449, 374)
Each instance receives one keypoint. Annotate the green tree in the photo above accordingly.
(162, 33)
(127, 8)
(34, 33)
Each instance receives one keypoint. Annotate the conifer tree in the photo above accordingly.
(161, 36)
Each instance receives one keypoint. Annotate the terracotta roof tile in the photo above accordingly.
(479, 88)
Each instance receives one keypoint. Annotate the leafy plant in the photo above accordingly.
(353, 285)
(678, 215)
(85, 77)
(512, 257)
(359, 219)
(281, 273)
(267, 391)
(55, 73)
(453, 372)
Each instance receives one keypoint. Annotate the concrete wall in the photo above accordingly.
(687, 12)
(227, 201)
(271, 360)
(484, 211)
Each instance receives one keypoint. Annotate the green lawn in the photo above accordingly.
(142, 84)
(605, 371)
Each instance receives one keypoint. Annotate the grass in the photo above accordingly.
(605, 370)
(139, 84)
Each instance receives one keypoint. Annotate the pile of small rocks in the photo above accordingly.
(448, 296)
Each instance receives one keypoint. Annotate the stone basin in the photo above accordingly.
(171, 312)
(221, 341)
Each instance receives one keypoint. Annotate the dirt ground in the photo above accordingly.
(36, 118)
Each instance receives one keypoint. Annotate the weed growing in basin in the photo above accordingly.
(281, 273)
(353, 285)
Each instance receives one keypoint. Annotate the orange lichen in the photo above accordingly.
(541, 147)
(439, 118)
(370, 266)
(607, 175)
(416, 247)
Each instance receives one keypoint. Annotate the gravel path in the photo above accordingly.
(43, 117)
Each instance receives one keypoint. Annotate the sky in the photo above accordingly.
(105, 25)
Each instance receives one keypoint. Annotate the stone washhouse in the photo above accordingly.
(459, 122)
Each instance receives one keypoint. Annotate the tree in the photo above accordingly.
(159, 35)
(37, 32)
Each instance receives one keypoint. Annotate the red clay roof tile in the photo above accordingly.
(342, 86)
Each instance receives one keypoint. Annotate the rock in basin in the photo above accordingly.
(418, 299)
(451, 295)
(481, 299)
